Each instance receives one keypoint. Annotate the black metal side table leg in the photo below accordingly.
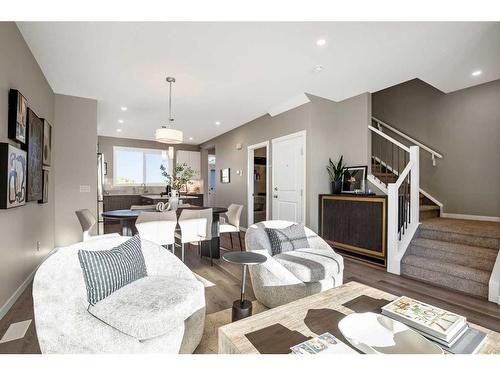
(242, 308)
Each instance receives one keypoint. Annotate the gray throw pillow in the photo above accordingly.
(287, 239)
(106, 271)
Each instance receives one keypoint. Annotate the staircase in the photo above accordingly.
(457, 254)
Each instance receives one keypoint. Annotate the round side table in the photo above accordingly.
(242, 308)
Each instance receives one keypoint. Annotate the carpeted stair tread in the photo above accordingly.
(471, 256)
(438, 278)
(428, 207)
(447, 269)
(487, 229)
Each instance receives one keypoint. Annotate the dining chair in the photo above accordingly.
(158, 227)
(87, 222)
(232, 225)
(195, 227)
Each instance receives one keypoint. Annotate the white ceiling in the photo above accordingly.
(235, 72)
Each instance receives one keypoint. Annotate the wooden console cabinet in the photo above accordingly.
(355, 225)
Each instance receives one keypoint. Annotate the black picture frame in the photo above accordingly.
(18, 117)
(47, 143)
(34, 147)
(354, 179)
(45, 186)
(225, 175)
(13, 164)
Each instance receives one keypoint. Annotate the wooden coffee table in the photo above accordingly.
(275, 331)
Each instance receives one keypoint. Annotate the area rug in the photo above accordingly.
(209, 343)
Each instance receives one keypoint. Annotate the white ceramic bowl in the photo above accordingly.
(378, 334)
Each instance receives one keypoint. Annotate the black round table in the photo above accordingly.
(242, 308)
(127, 220)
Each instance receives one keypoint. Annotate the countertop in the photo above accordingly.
(158, 196)
(146, 195)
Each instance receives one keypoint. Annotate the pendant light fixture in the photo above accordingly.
(166, 134)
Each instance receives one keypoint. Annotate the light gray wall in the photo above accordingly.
(106, 145)
(464, 126)
(75, 146)
(333, 128)
(259, 130)
(22, 227)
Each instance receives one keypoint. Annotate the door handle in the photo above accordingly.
(276, 188)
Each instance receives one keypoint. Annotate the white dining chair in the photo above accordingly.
(87, 222)
(195, 227)
(158, 227)
(232, 225)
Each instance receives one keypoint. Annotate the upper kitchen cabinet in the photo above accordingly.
(192, 159)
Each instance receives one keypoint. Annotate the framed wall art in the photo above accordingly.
(225, 175)
(18, 113)
(34, 146)
(47, 143)
(45, 187)
(354, 179)
(12, 176)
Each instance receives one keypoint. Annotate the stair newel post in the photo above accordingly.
(393, 262)
(415, 183)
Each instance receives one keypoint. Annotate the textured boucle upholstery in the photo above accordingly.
(275, 284)
(64, 325)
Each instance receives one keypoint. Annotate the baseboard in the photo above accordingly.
(13, 298)
(470, 217)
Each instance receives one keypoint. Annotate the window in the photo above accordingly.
(136, 166)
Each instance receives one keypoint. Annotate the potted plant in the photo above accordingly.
(336, 172)
(181, 175)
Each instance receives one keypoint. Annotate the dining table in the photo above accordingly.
(127, 219)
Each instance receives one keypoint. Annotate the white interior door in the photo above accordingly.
(288, 185)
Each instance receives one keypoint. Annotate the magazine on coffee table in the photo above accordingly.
(433, 321)
(323, 344)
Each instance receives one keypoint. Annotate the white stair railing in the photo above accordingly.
(393, 160)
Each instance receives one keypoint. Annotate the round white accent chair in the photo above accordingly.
(291, 275)
(64, 325)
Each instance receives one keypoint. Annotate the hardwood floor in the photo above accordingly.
(226, 278)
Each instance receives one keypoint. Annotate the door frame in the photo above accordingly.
(250, 183)
(303, 135)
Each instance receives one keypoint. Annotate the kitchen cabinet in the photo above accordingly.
(192, 159)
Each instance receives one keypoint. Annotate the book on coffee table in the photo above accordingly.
(432, 321)
(323, 344)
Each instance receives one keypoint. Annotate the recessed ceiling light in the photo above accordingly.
(320, 42)
(217, 123)
(118, 130)
(318, 68)
(123, 108)
(190, 138)
(477, 73)
(120, 121)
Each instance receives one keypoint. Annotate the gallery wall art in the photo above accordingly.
(13, 164)
(47, 143)
(45, 187)
(18, 112)
(34, 189)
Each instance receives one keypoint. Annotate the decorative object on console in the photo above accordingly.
(336, 173)
(354, 179)
(18, 113)
(34, 146)
(47, 143)
(45, 187)
(12, 176)
(225, 175)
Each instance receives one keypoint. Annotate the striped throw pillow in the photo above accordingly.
(106, 271)
(287, 239)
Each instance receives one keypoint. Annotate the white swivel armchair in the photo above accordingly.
(233, 222)
(158, 227)
(291, 275)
